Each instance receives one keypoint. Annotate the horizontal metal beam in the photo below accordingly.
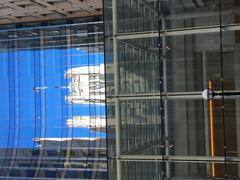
(30, 178)
(57, 158)
(178, 32)
(53, 169)
(183, 159)
(171, 95)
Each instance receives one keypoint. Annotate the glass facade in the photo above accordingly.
(160, 56)
(52, 113)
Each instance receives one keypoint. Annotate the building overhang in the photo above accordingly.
(16, 11)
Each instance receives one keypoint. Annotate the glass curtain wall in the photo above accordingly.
(52, 113)
(160, 57)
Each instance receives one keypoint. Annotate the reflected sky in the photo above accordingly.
(27, 113)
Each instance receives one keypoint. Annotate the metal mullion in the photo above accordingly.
(138, 70)
(35, 98)
(55, 169)
(131, 69)
(186, 104)
(126, 126)
(51, 26)
(141, 72)
(178, 32)
(156, 109)
(125, 67)
(90, 96)
(144, 17)
(222, 90)
(151, 129)
(131, 14)
(127, 170)
(178, 95)
(107, 145)
(30, 178)
(124, 25)
(165, 90)
(63, 46)
(142, 171)
(141, 7)
(9, 107)
(147, 75)
(16, 103)
(128, 134)
(137, 13)
(69, 109)
(100, 91)
(133, 125)
(47, 158)
(50, 162)
(148, 172)
(62, 102)
(146, 122)
(42, 115)
(116, 85)
(155, 68)
(97, 143)
(48, 37)
(176, 158)
(162, 117)
(144, 72)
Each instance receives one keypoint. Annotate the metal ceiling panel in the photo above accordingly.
(15, 11)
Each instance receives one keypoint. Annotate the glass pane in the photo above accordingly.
(192, 61)
(230, 11)
(141, 170)
(139, 68)
(140, 126)
(136, 15)
(185, 14)
(198, 170)
(195, 127)
(53, 102)
(231, 86)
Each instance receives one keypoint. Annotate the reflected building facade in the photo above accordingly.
(160, 56)
(87, 85)
(53, 100)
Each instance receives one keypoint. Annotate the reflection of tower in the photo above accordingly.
(94, 123)
(87, 85)
(133, 79)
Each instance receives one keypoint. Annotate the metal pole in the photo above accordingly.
(164, 69)
(116, 86)
(237, 93)
(222, 88)
(16, 106)
(162, 102)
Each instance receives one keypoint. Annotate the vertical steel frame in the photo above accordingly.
(116, 85)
